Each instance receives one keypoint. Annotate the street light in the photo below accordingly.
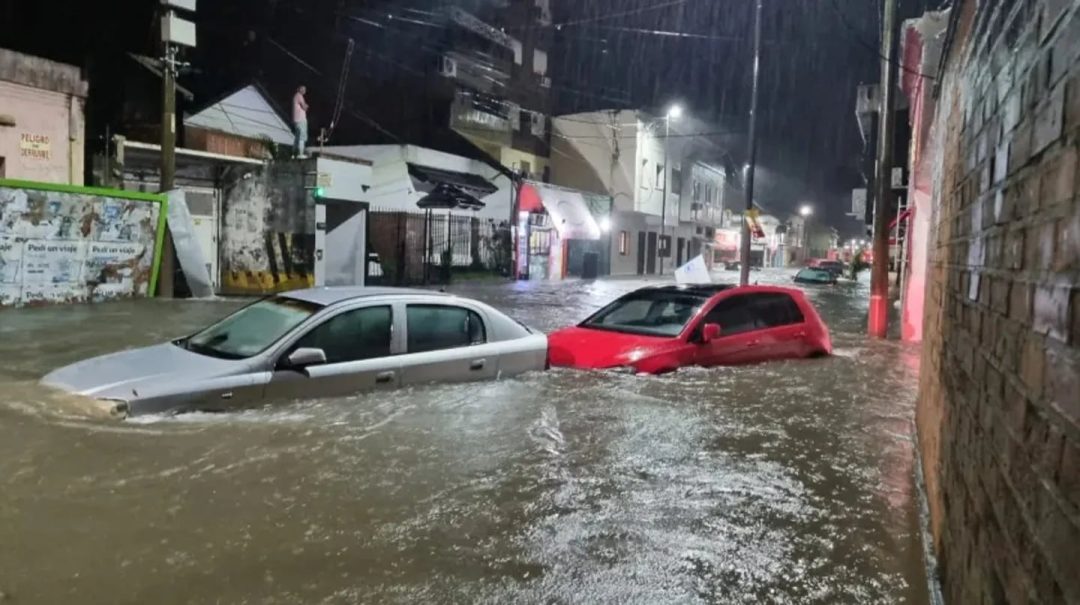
(674, 112)
(806, 210)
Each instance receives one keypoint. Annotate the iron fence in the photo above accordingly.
(424, 248)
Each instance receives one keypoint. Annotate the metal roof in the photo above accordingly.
(244, 113)
(331, 295)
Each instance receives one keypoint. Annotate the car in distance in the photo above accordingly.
(319, 342)
(832, 266)
(661, 329)
(810, 275)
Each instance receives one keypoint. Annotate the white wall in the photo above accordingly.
(707, 177)
(42, 115)
(596, 152)
(347, 179)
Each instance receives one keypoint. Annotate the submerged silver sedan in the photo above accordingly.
(320, 342)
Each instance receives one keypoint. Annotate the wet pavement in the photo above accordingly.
(788, 482)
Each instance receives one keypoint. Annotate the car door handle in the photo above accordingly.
(384, 378)
(753, 343)
(477, 364)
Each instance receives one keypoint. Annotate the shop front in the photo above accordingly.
(561, 233)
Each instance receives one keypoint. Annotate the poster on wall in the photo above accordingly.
(68, 246)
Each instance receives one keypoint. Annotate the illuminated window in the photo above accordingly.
(624, 243)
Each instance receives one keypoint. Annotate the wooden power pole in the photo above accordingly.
(879, 271)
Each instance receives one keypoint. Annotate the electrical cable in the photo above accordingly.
(872, 48)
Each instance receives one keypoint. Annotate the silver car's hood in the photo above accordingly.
(138, 373)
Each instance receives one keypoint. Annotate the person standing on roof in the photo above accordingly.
(299, 115)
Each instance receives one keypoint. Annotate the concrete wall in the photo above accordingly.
(998, 413)
(268, 231)
(42, 123)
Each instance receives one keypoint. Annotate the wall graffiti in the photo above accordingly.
(268, 232)
(75, 245)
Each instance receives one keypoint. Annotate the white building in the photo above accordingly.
(656, 222)
(42, 123)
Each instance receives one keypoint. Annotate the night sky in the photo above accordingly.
(607, 54)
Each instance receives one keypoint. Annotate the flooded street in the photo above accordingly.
(789, 482)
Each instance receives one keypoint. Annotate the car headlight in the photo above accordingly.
(118, 408)
(622, 370)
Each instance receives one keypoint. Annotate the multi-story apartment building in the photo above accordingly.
(667, 199)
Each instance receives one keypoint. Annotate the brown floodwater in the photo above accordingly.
(787, 482)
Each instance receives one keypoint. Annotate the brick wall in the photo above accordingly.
(999, 406)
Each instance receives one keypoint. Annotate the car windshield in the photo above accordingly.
(649, 312)
(251, 330)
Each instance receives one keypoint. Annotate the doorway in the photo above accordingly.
(650, 259)
(641, 253)
(341, 230)
(681, 242)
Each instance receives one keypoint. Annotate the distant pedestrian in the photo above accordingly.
(299, 116)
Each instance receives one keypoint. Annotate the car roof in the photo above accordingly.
(333, 295)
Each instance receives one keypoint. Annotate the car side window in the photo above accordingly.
(437, 327)
(777, 310)
(735, 315)
(749, 312)
(352, 335)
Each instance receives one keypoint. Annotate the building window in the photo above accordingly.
(645, 174)
(665, 246)
(540, 62)
(660, 180)
(624, 243)
(696, 187)
(676, 181)
(1, 166)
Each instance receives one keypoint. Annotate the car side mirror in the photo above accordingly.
(709, 333)
(304, 357)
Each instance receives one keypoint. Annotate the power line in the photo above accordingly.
(348, 106)
(636, 11)
(871, 47)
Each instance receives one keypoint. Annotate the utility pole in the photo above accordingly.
(174, 31)
(744, 252)
(879, 271)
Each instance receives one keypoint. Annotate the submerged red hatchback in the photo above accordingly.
(661, 329)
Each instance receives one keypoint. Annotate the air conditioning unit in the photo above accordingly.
(448, 67)
(545, 82)
(539, 124)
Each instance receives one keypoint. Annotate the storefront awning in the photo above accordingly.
(426, 178)
(569, 212)
(449, 189)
